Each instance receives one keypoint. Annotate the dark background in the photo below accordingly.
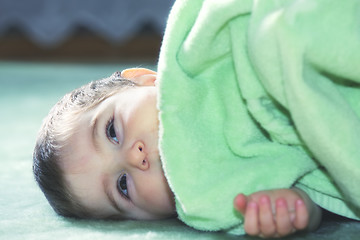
(82, 30)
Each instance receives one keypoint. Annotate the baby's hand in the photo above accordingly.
(277, 213)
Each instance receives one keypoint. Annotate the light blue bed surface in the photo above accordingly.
(27, 91)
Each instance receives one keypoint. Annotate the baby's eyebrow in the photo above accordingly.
(94, 133)
(110, 196)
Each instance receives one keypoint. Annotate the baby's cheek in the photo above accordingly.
(157, 192)
(146, 190)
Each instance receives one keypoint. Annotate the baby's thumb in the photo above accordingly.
(240, 202)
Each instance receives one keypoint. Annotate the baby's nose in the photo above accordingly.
(137, 156)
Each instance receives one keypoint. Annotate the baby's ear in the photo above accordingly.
(141, 76)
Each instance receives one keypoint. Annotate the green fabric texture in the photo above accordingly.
(258, 95)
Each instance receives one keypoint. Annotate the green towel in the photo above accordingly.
(259, 95)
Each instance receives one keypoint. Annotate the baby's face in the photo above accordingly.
(112, 163)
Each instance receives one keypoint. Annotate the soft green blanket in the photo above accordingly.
(258, 95)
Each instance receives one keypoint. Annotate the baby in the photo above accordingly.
(97, 156)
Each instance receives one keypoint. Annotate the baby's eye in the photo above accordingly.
(110, 132)
(122, 186)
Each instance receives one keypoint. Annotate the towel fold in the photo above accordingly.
(258, 95)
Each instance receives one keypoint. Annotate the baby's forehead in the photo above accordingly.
(76, 154)
(77, 143)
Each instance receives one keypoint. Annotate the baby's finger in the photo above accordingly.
(302, 215)
(266, 217)
(240, 203)
(251, 225)
(283, 222)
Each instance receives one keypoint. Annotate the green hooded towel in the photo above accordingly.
(258, 95)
